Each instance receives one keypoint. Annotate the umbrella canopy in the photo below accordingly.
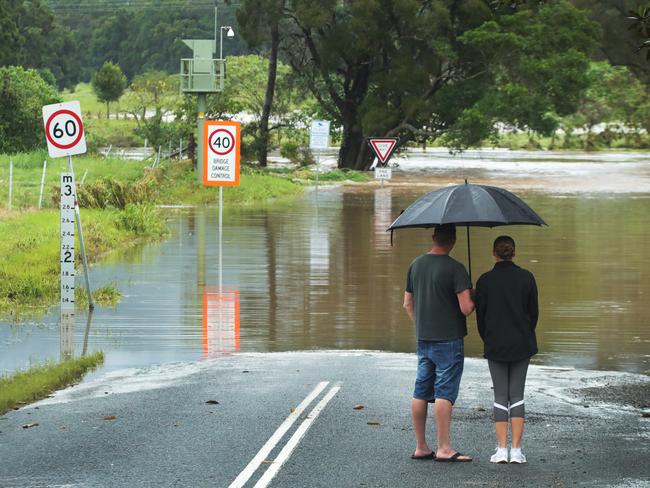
(468, 205)
(475, 205)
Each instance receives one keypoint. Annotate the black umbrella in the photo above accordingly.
(475, 205)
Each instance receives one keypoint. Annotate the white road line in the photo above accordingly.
(295, 439)
(263, 453)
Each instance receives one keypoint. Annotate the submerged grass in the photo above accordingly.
(29, 269)
(104, 296)
(38, 382)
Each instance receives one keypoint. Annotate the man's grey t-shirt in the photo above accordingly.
(434, 280)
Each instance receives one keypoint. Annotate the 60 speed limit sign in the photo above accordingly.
(221, 153)
(64, 129)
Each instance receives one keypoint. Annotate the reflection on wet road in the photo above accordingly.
(319, 272)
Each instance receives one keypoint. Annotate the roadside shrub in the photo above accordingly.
(108, 192)
(289, 150)
(144, 219)
(296, 152)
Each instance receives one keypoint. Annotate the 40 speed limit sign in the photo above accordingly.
(64, 129)
(221, 141)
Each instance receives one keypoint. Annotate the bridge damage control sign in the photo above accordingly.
(221, 143)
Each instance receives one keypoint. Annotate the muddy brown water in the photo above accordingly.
(318, 272)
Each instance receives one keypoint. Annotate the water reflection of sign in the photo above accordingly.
(383, 211)
(319, 255)
(67, 334)
(220, 322)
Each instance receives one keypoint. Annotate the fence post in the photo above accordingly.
(40, 193)
(11, 182)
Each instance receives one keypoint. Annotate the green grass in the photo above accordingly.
(118, 133)
(28, 169)
(595, 142)
(29, 269)
(335, 175)
(38, 382)
(90, 106)
(179, 184)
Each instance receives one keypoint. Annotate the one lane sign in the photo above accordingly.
(221, 143)
(64, 129)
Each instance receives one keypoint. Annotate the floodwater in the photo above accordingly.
(319, 272)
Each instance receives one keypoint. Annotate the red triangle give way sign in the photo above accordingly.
(383, 147)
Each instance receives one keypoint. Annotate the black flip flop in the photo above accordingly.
(453, 459)
(431, 455)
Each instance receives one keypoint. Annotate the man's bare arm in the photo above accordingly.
(465, 301)
(408, 305)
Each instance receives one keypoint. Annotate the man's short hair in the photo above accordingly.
(504, 247)
(445, 235)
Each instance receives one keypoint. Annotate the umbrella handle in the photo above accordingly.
(469, 256)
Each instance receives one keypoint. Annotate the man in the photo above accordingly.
(438, 300)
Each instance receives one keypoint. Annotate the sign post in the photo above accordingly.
(383, 148)
(221, 160)
(64, 131)
(319, 140)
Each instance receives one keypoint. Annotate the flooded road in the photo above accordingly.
(318, 272)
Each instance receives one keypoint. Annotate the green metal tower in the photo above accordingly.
(202, 74)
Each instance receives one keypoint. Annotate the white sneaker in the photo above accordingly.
(517, 456)
(500, 455)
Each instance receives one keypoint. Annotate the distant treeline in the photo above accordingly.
(72, 39)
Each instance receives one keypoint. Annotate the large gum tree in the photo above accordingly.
(439, 68)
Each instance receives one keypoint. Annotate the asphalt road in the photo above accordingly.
(164, 434)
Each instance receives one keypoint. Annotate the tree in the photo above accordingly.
(418, 69)
(109, 84)
(152, 95)
(625, 25)
(23, 92)
(255, 18)
(31, 37)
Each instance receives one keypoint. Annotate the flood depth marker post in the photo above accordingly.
(221, 154)
(319, 140)
(65, 136)
(68, 198)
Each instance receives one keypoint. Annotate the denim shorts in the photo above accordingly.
(440, 367)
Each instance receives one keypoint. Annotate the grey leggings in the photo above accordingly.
(509, 379)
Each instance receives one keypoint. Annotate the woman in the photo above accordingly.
(506, 313)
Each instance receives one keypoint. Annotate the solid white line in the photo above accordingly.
(295, 439)
(263, 453)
